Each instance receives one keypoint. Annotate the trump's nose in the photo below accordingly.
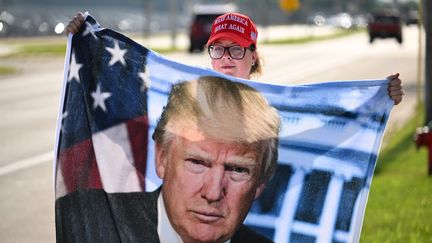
(214, 185)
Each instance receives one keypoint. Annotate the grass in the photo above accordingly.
(399, 208)
(51, 49)
(167, 50)
(306, 39)
(5, 70)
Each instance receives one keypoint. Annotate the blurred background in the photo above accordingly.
(302, 41)
(48, 17)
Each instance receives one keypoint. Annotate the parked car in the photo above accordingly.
(203, 17)
(385, 25)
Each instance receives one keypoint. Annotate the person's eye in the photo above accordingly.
(218, 48)
(239, 170)
(238, 173)
(236, 51)
(195, 165)
(236, 48)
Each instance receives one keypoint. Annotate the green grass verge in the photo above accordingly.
(4, 70)
(311, 38)
(53, 49)
(167, 50)
(399, 208)
(59, 49)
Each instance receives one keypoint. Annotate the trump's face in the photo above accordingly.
(208, 186)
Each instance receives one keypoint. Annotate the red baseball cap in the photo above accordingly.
(235, 26)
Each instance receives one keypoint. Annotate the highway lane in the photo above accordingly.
(29, 105)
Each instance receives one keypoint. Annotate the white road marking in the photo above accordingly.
(27, 163)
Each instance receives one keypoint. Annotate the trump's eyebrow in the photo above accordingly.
(197, 153)
(233, 160)
(241, 160)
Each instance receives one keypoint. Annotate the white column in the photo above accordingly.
(285, 220)
(330, 209)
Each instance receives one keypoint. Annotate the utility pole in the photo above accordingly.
(173, 22)
(148, 9)
(427, 21)
(396, 4)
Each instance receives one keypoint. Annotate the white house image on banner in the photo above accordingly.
(317, 188)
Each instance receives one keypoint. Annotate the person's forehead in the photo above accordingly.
(225, 41)
(196, 141)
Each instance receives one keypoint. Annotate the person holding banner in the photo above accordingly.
(232, 47)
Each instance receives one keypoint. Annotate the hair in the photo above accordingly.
(224, 110)
(257, 68)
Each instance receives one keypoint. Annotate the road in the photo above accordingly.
(29, 105)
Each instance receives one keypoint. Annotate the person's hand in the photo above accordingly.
(75, 24)
(395, 90)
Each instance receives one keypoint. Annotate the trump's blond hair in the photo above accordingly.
(228, 111)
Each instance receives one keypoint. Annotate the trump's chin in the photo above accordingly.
(206, 233)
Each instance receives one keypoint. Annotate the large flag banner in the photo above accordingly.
(114, 91)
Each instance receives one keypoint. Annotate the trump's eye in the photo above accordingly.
(239, 169)
(238, 173)
(195, 165)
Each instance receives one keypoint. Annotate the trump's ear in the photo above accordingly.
(161, 158)
(259, 190)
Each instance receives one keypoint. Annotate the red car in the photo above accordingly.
(200, 28)
(385, 25)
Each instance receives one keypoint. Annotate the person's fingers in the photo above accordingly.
(392, 93)
(75, 24)
(393, 88)
(397, 99)
(72, 27)
(396, 93)
(395, 82)
(393, 76)
(80, 16)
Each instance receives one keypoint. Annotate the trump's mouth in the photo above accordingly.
(207, 217)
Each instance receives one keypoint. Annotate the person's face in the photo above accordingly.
(208, 186)
(237, 68)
